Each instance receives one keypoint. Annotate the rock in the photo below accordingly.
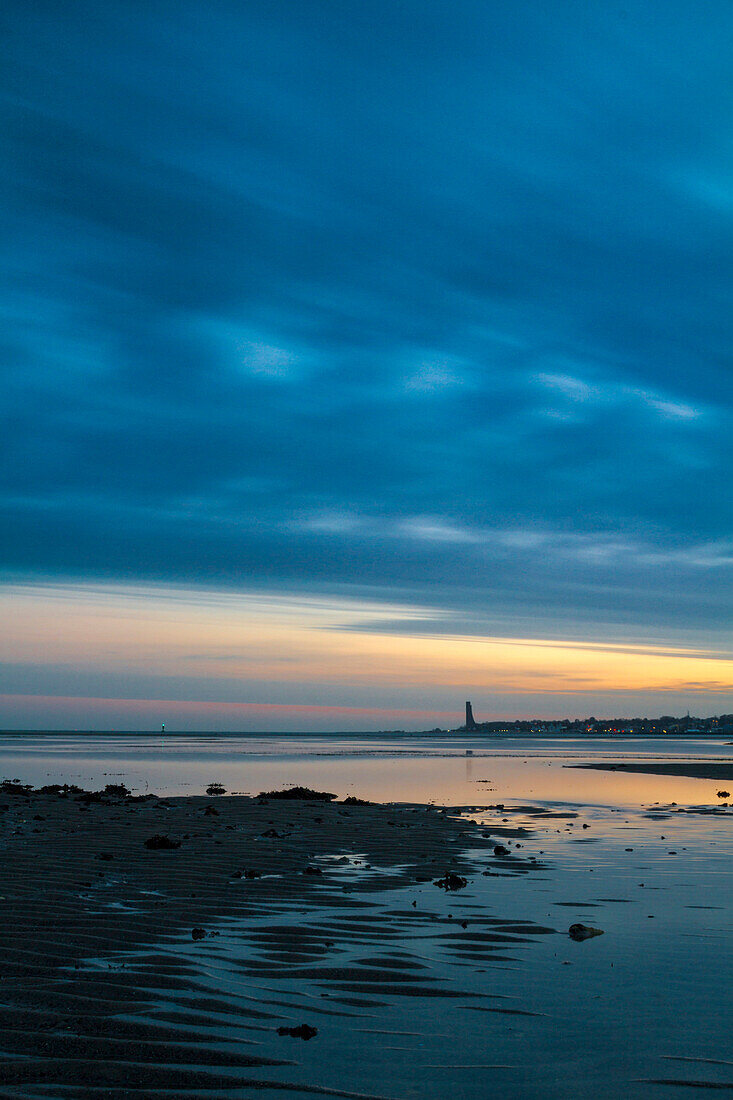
(304, 794)
(451, 881)
(271, 834)
(501, 850)
(313, 871)
(579, 932)
(303, 1031)
(159, 843)
(198, 933)
(215, 788)
(211, 812)
(723, 794)
(353, 801)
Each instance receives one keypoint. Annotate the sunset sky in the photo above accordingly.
(362, 358)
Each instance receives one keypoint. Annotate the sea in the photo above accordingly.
(445, 769)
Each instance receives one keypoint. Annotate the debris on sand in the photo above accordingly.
(303, 1031)
(160, 843)
(116, 790)
(216, 788)
(14, 786)
(304, 794)
(579, 932)
(451, 881)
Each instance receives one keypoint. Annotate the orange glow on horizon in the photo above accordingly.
(230, 641)
(192, 706)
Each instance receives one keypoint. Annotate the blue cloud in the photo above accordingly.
(435, 267)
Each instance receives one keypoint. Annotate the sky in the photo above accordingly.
(362, 358)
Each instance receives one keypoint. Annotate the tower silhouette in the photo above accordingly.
(470, 721)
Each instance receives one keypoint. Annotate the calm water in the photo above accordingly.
(406, 769)
(632, 1013)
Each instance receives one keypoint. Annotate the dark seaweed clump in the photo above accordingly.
(14, 786)
(303, 794)
(116, 790)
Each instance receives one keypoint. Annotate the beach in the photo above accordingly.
(225, 945)
(79, 880)
(695, 769)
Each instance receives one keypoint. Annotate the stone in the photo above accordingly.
(580, 932)
(303, 1031)
(451, 881)
(159, 843)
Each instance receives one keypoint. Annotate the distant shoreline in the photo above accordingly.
(457, 735)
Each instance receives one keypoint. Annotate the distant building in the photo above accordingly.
(470, 720)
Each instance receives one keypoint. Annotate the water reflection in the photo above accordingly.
(399, 769)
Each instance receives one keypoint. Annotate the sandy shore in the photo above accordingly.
(308, 948)
(79, 884)
(718, 771)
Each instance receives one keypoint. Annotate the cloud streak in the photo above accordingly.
(425, 304)
(226, 651)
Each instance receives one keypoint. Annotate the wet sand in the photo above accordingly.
(139, 973)
(718, 771)
(79, 885)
